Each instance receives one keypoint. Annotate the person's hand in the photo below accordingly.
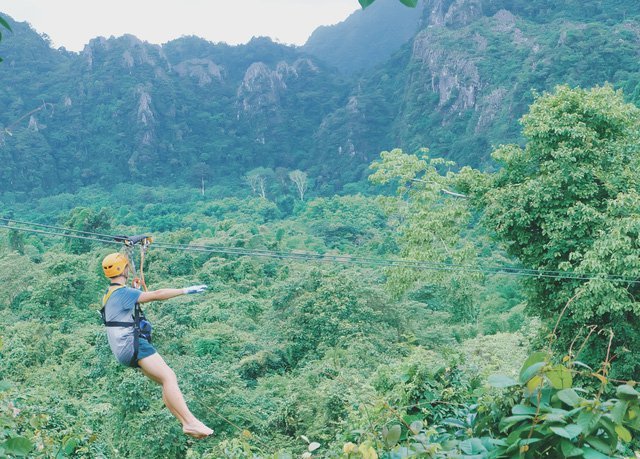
(194, 289)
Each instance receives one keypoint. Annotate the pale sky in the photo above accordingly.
(72, 23)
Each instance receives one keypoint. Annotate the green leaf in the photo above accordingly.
(5, 386)
(18, 446)
(588, 420)
(627, 392)
(365, 3)
(535, 383)
(501, 381)
(556, 416)
(410, 3)
(416, 427)
(560, 377)
(583, 365)
(569, 431)
(510, 421)
(531, 371)
(619, 410)
(70, 446)
(4, 23)
(472, 446)
(599, 445)
(623, 434)
(536, 357)
(454, 422)
(393, 436)
(569, 449)
(589, 453)
(570, 397)
(523, 409)
(518, 433)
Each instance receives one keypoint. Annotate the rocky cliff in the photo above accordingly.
(190, 109)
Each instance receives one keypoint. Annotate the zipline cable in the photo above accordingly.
(59, 228)
(307, 255)
(337, 258)
(324, 258)
(505, 269)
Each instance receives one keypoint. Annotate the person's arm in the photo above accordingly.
(167, 293)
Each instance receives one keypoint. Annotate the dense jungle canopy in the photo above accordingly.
(425, 249)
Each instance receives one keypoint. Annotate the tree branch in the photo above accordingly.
(442, 190)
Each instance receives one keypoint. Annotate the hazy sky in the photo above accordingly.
(72, 23)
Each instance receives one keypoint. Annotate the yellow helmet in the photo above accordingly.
(113, 264)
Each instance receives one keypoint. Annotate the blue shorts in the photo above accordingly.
(145, 349)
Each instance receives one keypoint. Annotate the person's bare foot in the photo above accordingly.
(197, 430)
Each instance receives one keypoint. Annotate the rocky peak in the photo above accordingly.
(453, 13)
(204, 70)
(505, 21)
(450, 74)
(126, 51)
(260, 87)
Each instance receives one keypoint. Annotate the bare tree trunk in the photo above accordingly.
(299, 178)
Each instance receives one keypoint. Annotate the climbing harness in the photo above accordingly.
(141, 326)
(129, 243)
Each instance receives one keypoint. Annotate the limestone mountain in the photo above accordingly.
(190, 111)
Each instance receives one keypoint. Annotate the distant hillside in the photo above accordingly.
(190, 111)
(470, 73)
(366, 38)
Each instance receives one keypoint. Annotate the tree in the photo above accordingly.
(257, 179)
(569, 202)
(85, 219)
(16, 241)
(299, 178)
(429, 219)
(6, 25)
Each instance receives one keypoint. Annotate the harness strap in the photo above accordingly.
(109, 292)
(119, 324)
(137, 316)
(136, 335)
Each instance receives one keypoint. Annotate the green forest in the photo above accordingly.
(463, 283)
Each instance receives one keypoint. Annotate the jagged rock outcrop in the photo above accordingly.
(204, 70)
(262, 87)
(453, 13)
(133, 52)
(450, 74)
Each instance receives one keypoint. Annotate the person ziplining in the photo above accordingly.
(129, 332)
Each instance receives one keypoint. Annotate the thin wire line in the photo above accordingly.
(344, 259)
(338, 258)
(60, 228)
(270, 253)
(435, 266)
(47, 233)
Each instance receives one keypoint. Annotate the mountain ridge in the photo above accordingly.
(191, 111)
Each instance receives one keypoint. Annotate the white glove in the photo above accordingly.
(194, 289)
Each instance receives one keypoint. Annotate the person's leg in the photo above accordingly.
(156, 369)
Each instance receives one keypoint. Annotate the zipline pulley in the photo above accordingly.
(129, 244)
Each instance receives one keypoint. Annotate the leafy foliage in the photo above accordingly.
(5, 24)
(566, 202)
(284, 359)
